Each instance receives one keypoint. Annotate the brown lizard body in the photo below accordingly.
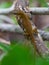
(27, 26)
(30, 30)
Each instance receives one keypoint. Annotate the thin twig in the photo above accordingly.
(33, 10)
(39, 10)
(8, 10)
(7, 19)
(16, 28)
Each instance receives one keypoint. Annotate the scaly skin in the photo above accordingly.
(27, 26)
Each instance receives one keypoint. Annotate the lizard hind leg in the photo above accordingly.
(34, 30)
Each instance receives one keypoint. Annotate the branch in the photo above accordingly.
(16, 28)
(33, 10)
(10, 28)
(39, 10)
(45, 35)
(7, 19)
(8, 10)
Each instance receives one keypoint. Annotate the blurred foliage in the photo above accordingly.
(14, 19)
(19, 55)
(4, 46)
(46, 29)
(30, 2)
(5, 4)
(43, 3)
(23, 55)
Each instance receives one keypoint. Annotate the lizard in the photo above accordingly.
(27, 27)
(30, 30)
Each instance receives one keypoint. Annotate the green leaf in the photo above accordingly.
(22, 55)
(19, 55)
